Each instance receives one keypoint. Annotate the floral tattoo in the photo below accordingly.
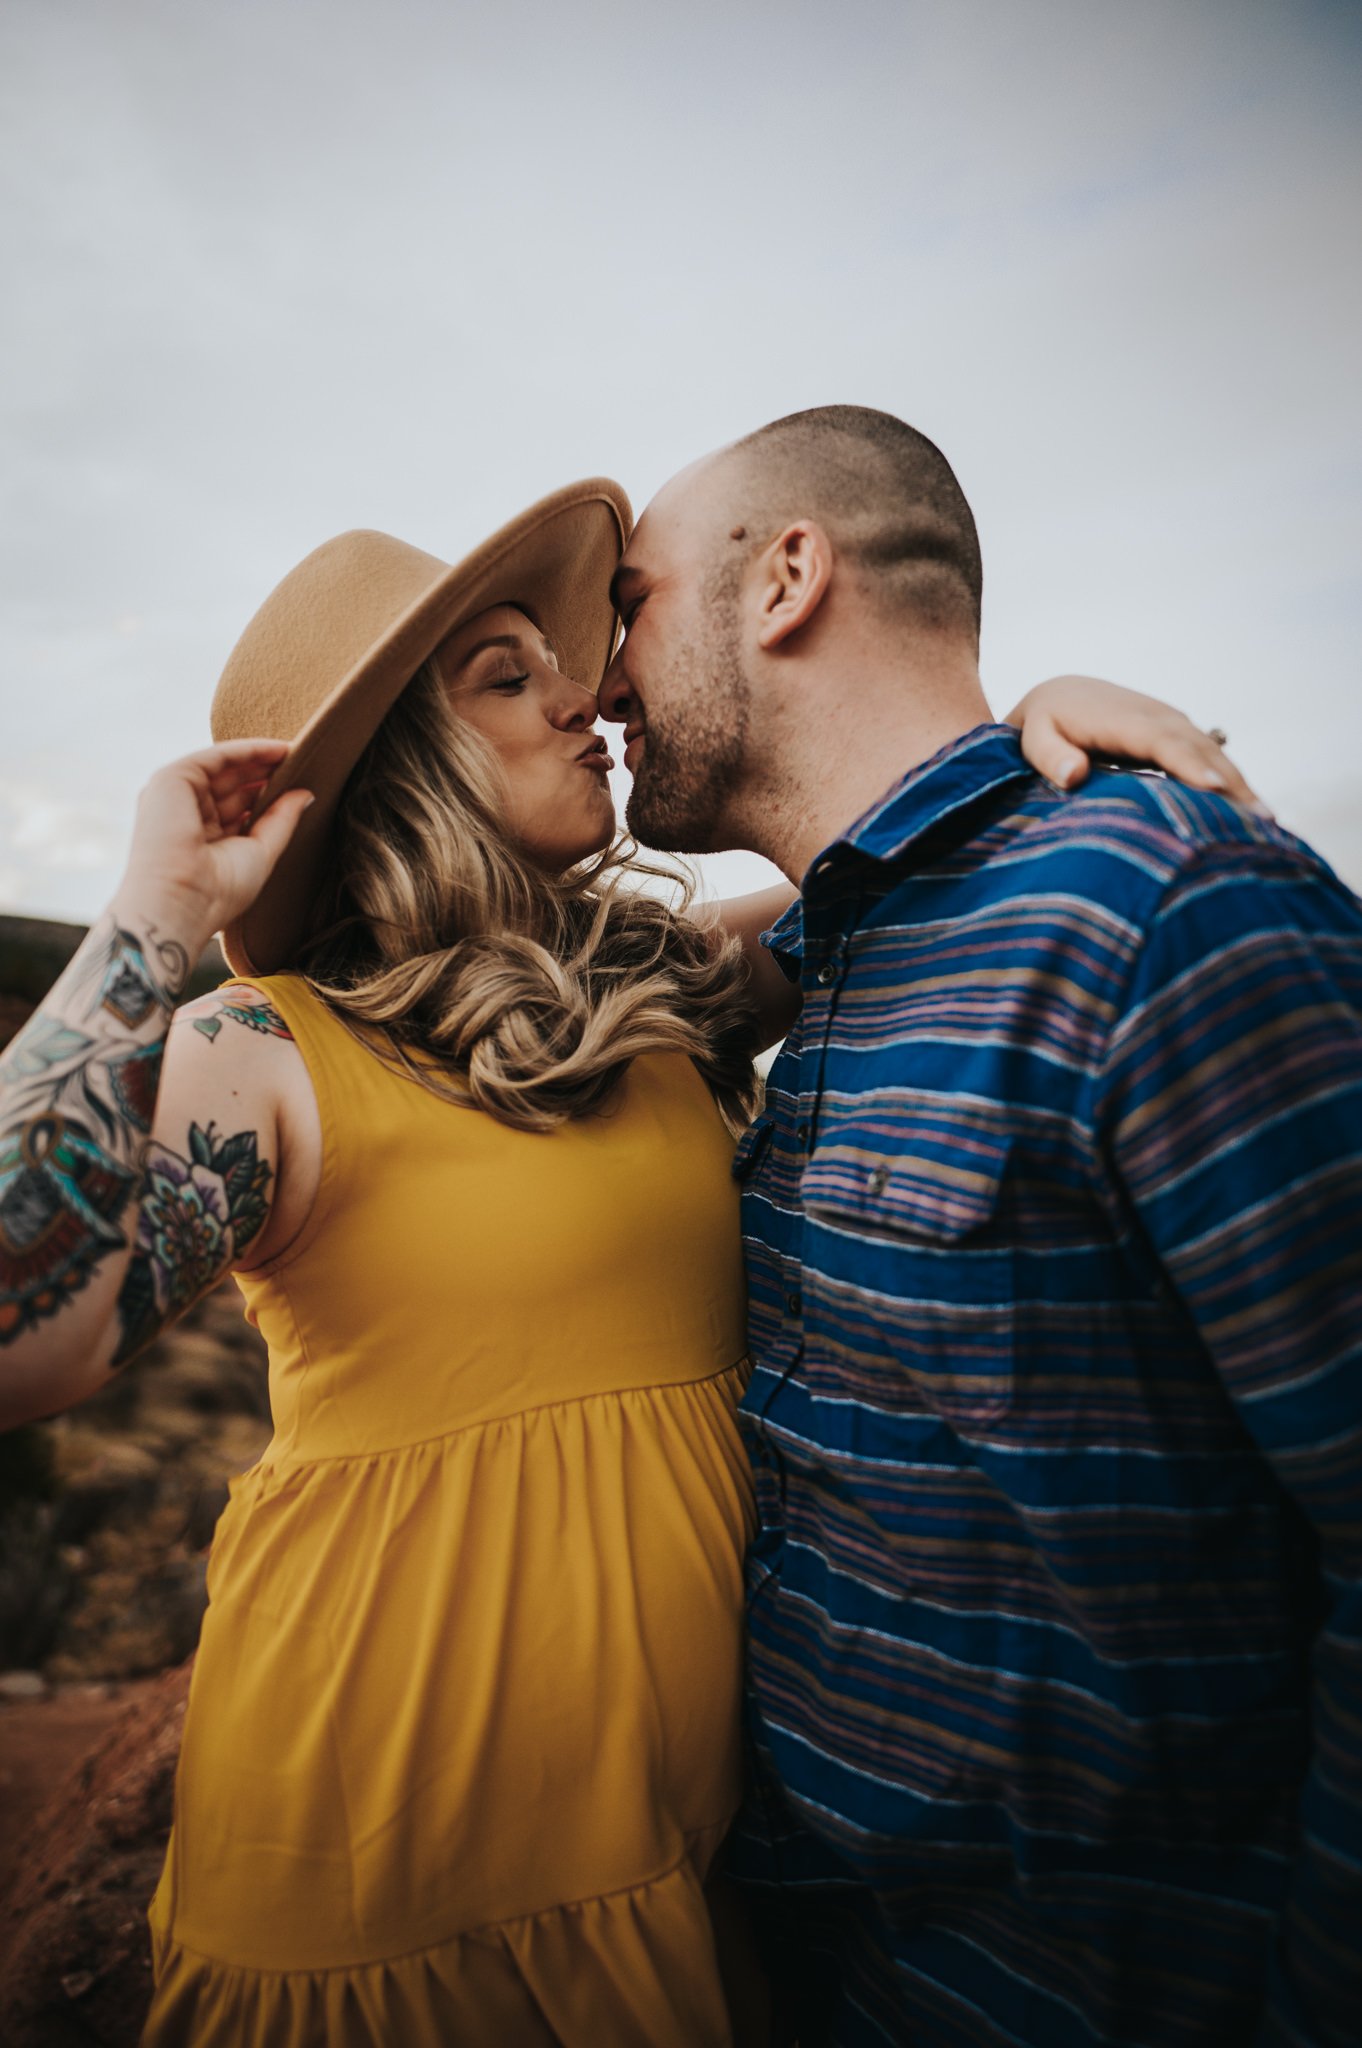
(77, 1093)
(196, 1215)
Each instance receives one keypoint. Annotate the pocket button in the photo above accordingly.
(879, 1180)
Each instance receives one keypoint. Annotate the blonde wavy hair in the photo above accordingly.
(484, 977)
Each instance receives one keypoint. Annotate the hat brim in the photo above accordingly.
(555, 562)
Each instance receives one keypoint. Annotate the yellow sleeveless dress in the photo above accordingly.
(462, 1736)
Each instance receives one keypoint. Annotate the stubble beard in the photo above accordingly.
(692, 760)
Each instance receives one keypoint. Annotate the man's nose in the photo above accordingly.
(616, 697)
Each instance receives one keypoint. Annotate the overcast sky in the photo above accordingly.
(275, 268)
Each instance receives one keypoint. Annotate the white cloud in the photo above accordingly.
(44, 832)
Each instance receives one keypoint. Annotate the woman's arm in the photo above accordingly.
(125, 1192)
(777, 999)
(1063, 722)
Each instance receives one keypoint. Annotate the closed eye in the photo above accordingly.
(509, 683)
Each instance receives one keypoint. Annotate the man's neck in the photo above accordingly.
(825, 768)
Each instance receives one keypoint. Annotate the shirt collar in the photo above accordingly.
(964, 771)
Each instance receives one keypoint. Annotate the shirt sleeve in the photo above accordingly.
(1231, 1116)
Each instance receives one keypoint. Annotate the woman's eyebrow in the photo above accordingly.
(493, 640)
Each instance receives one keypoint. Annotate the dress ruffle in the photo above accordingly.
(613, 1972)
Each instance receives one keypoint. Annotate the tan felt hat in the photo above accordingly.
(330, 651)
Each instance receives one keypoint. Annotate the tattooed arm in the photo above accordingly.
(210, 1180)
(124, 1192)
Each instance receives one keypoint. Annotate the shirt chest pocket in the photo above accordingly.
(910, 1272)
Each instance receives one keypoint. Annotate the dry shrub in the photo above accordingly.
(103, 1530)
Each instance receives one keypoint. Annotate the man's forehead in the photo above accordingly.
(670, 518)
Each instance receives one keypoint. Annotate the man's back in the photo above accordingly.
(1055, 1254)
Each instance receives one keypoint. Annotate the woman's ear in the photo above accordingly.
(795, 573)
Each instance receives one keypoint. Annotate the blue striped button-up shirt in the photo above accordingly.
(1054, 1230)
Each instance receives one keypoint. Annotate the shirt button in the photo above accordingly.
(827, 973)
(879, 1180)
(792, 1304)
(802, 1134)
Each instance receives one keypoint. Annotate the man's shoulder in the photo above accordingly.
(1092, 875)
(1170, 818)
(1188, 882)
(1128, 838)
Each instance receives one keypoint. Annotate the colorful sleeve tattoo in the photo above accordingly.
(77, 1093)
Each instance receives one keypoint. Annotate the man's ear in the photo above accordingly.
(795, 573)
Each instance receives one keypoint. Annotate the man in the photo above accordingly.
(1054, 1228)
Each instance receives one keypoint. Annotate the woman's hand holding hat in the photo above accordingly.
(199, 856)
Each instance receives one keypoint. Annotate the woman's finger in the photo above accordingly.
(239, 803)
(224, 765)
(228, 754)
(1195, 758)
(216, 772)
(1050, 753)
(203, 797)
(274, 828)
(255, 768)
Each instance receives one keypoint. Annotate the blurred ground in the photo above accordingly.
(41, 1742)
(75, 1960)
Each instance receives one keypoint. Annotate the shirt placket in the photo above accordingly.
(823, 971)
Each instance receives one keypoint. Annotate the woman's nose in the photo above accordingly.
(574, 706)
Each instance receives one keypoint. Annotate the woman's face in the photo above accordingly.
(503, 678)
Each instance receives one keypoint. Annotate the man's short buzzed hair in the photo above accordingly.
(888, 499)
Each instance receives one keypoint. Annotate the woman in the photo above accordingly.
(461, 1743)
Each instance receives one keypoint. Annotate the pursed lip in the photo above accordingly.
(633, 735)
(595, 754)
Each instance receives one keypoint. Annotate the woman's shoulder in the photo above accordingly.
(254, 1006)
(237, 1037)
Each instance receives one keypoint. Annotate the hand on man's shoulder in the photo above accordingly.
(1163, 828)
